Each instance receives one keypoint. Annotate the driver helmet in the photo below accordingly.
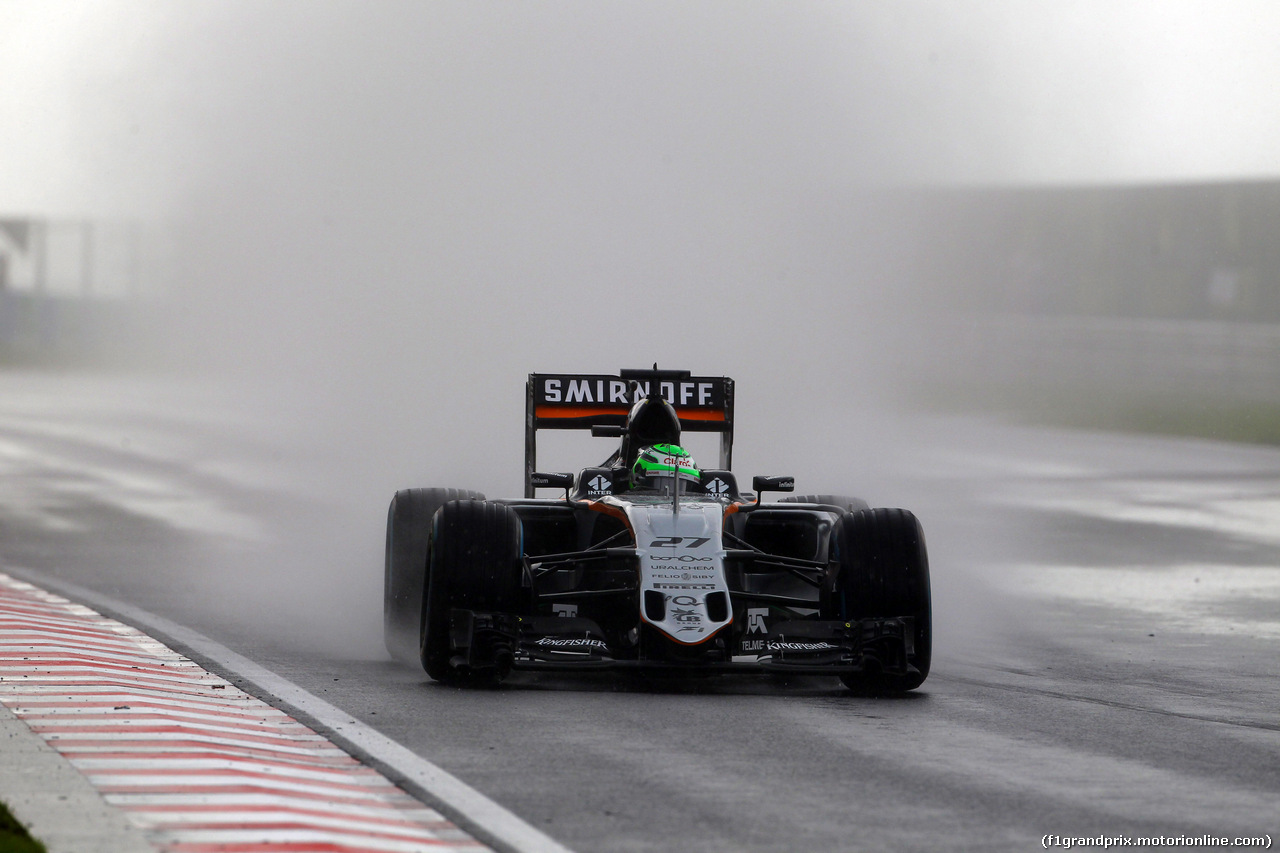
(661, 466)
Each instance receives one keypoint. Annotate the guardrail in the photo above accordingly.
(38, 328)
(69, 288)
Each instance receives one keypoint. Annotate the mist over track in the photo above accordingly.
(1105, 639)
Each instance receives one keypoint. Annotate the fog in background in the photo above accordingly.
(371, 220)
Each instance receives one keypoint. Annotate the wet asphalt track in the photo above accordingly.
(1107, 628)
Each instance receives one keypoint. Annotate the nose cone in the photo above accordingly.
(682, 570)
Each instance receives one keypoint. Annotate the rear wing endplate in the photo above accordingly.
(581, 401)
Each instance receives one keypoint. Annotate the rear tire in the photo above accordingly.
(882, 570)
(405, 565)
(473, 563)
(848, 504)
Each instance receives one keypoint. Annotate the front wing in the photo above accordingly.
(486, 640)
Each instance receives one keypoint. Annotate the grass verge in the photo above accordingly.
(1186, 415)
(14, 837)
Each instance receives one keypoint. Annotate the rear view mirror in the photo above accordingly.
(551, 481)
(608, 431)
(777, 483)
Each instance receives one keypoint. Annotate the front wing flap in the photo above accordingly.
(483, 640)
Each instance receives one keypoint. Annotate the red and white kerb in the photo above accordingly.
(197, 763)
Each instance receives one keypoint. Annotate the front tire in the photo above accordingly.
(405, 565)
(881, 569)
(473, 563)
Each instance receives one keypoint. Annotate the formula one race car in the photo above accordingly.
(650, 562)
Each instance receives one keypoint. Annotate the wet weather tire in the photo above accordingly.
(882, 570)
(473, 563)
(847, 504)
(405, 565)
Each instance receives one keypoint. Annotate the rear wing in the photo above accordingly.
(581, 401)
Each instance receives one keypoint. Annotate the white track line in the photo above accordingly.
(486, 818)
